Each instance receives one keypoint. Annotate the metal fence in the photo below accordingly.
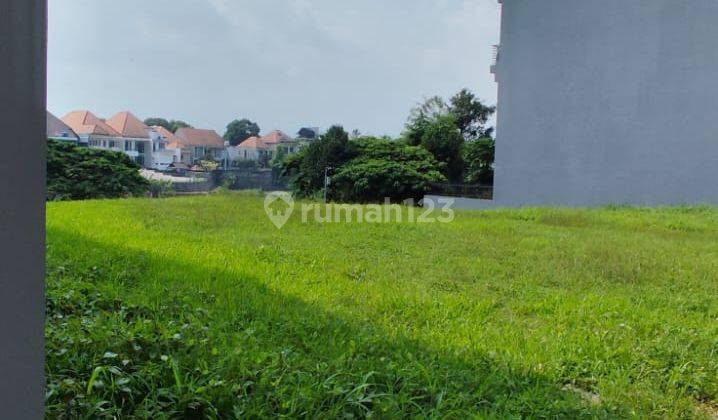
(485, 192)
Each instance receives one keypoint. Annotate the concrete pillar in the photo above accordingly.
(22, 206)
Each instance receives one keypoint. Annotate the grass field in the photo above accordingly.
(200, 307)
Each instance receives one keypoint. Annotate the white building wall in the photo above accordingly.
(607, 102)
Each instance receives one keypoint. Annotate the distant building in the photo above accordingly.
(165, 148)
(264, 148)
(135, 135)
(93, 131)
(125, 133)
(252, 149)
(278, 139)
(58, 130)
(198, 144)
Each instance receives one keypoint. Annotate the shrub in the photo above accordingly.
(78, 173)
(385, 168)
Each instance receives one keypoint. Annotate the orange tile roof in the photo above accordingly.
(172, 140)
(57, 128)
(276, 136)
(85, 122)
(200, 138)
(254, 143)
(128, 125)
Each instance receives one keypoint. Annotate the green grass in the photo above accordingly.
(200, 307)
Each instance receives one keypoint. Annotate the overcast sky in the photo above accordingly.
(282, 63)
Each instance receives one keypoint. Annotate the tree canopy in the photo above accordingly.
(240, 130)
(306, 169)
(171, 125)
(479, 158)
(79, 173)
(385, 169)
(445, 129)
(471, 115)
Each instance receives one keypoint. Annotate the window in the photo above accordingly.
(112, 143)
(128, 146)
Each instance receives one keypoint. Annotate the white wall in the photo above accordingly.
(610, 101)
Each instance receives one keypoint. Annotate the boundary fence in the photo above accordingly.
(485, 192)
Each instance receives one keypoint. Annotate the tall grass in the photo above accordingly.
(200, 307)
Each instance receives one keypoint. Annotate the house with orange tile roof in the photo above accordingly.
(170, 145)
(91, 130)
(253, 149)
(263, 148)
(123, 132)
(278, 139)
(199, 144)
(165, 151)
(58, 130)
(135, 137)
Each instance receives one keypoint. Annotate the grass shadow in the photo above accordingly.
(131, 333)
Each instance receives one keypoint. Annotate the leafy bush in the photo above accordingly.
(479, 158)
(79, 173)
(385, 168)
(366, 169)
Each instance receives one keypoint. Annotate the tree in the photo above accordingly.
(471, 115)
(385, 169)
(79, 173)
(177, 124)
(428, 110)
(307, 133)
(306, 169)
(240, 130)
(171, 125)
(479, 158)
(158, 122)
(443, 139)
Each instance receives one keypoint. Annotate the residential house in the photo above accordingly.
(58, 130)
(167, 151)
(124, 132)
(93, 131)
(197, 144)
(135, 137)
(262, 149)
(252, 149)
(278, 139)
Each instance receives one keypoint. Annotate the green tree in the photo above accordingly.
(385, 169)
(471, 115)
(428, 110)
(177, 124)
(240, 130)
(306, 169)
(158, 122)
(443, 139)
(79, 173)
(171, 125)
(479, 158)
